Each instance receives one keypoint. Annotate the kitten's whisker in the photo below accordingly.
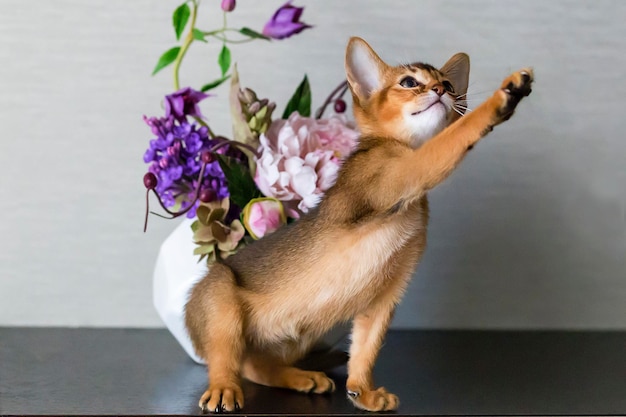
(474, 93)
(470, 100)
(458, 111)
(461, 109)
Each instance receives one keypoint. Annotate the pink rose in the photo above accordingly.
(300, 158)
(262, 216)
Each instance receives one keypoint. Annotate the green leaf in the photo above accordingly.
(203, 249)
(300, 101)
(167, 58)
(253, 34)
(214, 84)
(203, 235)
(180, 18)
(198, 35)
(224, 59)
(240, 183)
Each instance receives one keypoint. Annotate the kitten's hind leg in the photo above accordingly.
(269, 371)
(214, 318)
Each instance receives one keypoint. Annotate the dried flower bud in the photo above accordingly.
(241, 96)
(228, 5)
(248, 95)
(150, 181)
(254, 107)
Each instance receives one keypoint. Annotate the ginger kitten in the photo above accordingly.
(259, 311)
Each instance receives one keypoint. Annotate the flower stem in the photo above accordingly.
(224, 39)
(236, 144)
(183, 49)
(174, 214)
(339, 91)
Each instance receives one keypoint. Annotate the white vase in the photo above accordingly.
(176, 271)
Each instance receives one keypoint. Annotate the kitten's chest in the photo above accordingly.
(362, 263)
(355, 268)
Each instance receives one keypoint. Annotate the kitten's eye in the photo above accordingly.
(409, 82)
(448, 86)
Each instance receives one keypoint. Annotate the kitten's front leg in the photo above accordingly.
(437, 158)
(496, 109)
(368, 332)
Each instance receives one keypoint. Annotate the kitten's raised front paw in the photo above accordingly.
(515, 87)
(219, 398)
(374, 400)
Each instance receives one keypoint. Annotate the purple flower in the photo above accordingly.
(228, 5)
(183, 103)
(174, 158)
(285, 22)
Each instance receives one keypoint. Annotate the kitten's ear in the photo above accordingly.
(364, 69)
(457, 70)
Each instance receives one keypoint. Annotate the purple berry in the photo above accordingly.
(150, 181)
(340, 106)
(207, 195)
(207, 157)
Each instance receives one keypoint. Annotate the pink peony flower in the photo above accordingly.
(262, 216)
(300, 158)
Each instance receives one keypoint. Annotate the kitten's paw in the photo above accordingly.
(373, 400)
(311, 382)
(515, 87)
(219, 398)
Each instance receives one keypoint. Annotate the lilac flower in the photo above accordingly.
(183, 103)
(174, 158)
(228, 5)
(285, 22)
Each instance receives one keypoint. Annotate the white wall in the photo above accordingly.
(529, 233)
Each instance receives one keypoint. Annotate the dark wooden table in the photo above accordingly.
(137, 372)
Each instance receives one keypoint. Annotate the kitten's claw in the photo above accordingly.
(353, 394)
(514, 88)
(374, 400)
(221, 399)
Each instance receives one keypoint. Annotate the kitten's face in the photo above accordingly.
(412, 102)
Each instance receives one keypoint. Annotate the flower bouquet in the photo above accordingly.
(234, 190)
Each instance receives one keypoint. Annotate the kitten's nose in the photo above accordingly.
(438, 88)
